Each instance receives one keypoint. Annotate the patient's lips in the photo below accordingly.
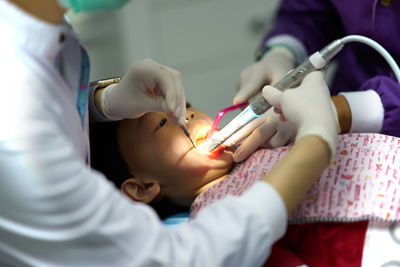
(201, 135)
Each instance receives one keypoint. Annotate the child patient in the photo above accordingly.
(152, 161)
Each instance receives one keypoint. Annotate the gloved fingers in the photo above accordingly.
(282, 137)
(309, 108)
(313, 78)
(278, 111)
(278, 74)
(246, 130)
(272, 96)
(244, 77)
(150, 104)
(251, 82)
(254, 141)
(171, 86)
(180, 108)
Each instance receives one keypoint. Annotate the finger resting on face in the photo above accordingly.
(254, 141)
(277, 110)
(246, 130)
(278, 140)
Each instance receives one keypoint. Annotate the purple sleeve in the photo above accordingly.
(315, 23)
(389, 92)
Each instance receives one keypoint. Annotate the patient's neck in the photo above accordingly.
(206, 186)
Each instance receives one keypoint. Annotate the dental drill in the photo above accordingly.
(316, 61)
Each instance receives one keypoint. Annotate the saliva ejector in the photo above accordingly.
(316, 61)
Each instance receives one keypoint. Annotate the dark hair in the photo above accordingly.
(106, 158)
(104, 152)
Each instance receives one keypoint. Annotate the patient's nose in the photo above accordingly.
(189, 116)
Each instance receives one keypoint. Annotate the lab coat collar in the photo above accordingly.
(35, 36)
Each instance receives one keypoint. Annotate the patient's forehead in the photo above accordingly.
(134, 125)
(140, 127)
(136, 132)
(128, 131)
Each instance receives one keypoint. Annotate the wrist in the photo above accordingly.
(96, 92)
(97, 96)
(367, 111)
(108, 100)
(297, 171)
(281, 49)
(296, 46)
(325, 131)
(343, 113)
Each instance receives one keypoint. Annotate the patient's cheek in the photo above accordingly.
(177, 146)
(197, 163)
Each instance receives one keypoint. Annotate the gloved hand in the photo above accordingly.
(272, 67)
(308, 107)
(147, 86)
(266, 131)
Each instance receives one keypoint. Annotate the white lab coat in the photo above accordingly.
(56, 211)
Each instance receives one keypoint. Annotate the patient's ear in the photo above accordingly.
(140, 190)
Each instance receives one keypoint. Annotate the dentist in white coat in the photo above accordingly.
(56, 211)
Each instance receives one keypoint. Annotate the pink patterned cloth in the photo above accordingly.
(362, 183)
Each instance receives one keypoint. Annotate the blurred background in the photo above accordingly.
(208, 41)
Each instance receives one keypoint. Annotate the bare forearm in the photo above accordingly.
(49, 11)
(343, 112)
(293, 176)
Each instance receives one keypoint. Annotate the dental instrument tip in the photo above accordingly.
(188, 135)
(209, 145)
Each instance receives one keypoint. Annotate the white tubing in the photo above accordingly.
(377, 47)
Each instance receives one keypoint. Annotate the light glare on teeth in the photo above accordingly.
(201, 136)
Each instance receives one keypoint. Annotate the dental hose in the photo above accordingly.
(382, 51)
(316, 61)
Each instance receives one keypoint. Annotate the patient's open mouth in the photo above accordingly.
(201, 135)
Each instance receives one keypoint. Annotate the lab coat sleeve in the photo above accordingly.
(77, 218)
(312, 23)
(56, 211)
(376, 106)
(94, 112)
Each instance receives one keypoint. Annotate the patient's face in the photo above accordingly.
(154, 147)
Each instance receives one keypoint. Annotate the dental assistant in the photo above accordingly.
(369, 95)
(56, 211)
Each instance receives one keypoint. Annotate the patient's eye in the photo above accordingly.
(162, 123)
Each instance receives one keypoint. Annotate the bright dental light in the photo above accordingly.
(200, 137)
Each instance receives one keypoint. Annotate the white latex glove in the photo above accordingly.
(272, 67)
(308, 107)
(266, 131)
(147, 86)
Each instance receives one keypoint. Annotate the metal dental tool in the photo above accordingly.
(185, 131)
(187, 134)
(258, 106)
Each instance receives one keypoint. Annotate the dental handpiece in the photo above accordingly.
(259, 105)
